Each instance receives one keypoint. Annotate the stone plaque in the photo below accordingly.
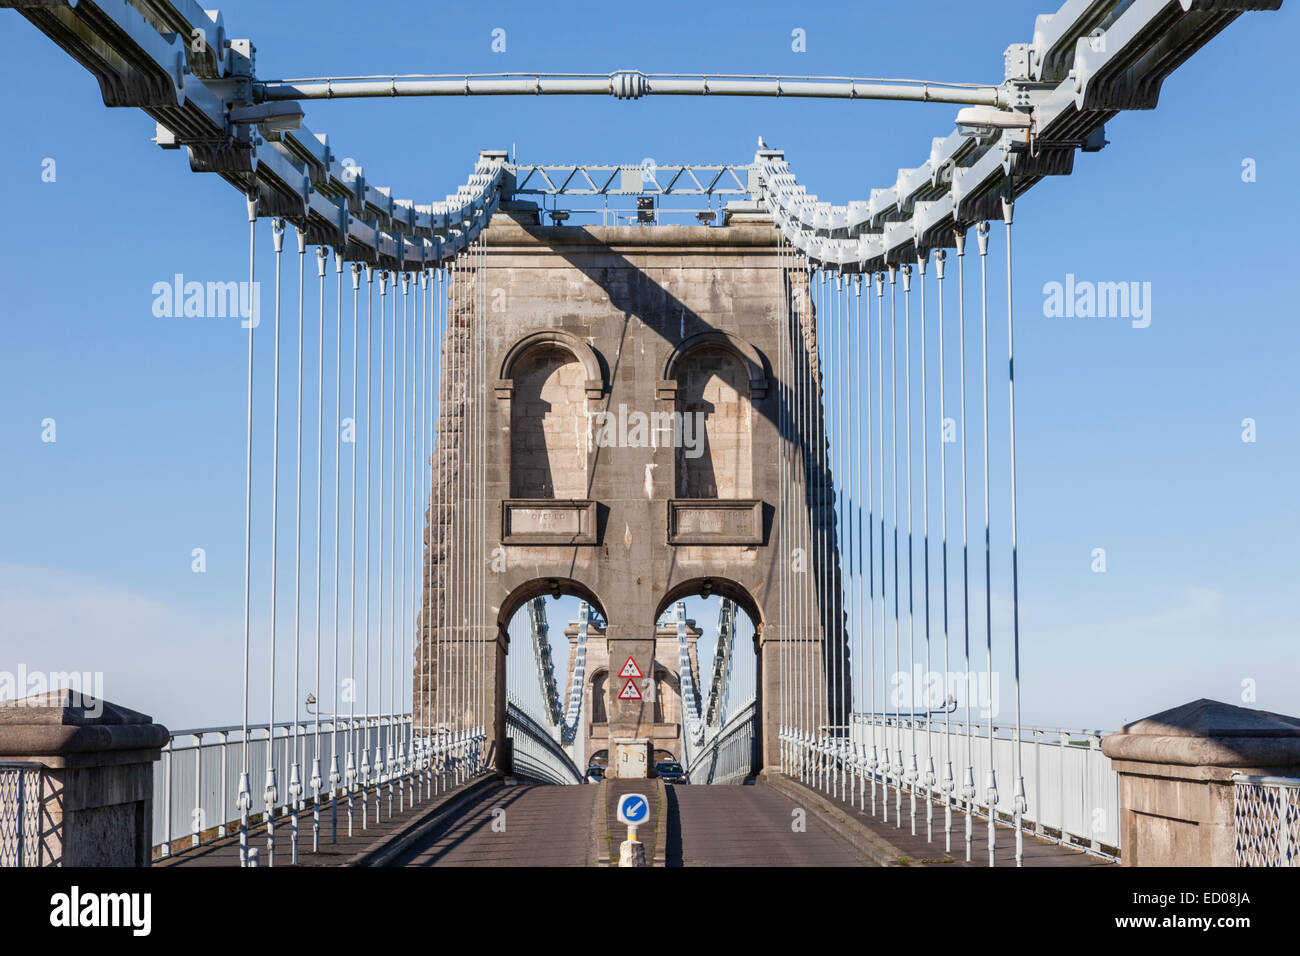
(715, 521)
(547, 521)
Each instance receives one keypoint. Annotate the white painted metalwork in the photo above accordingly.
(1266, 819)
(536, 753)
(245, 794)
(630, 85)
(693, 725)
(196, 785)
(573, 715)
(1085, 62)
(730, 753)
(659, 179)
(530, 672)
(20, 813)
(1072, 790)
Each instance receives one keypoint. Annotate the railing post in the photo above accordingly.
(1094, 744)
(1038, 784)
(1064, 744)
(197, 820)
(221, 802)
(167, 805)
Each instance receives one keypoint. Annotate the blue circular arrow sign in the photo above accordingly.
(633, 808)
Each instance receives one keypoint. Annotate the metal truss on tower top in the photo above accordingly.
(1085, 63)
(590, 179)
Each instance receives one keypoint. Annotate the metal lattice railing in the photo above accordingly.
(20, 814)
(728, 755)
(537, 754)
(1266, 818)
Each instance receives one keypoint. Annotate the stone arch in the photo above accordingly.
(668, 696)
(755, 365)
(596, 684)
(709, 586)
(594, 379)
(539, 587)
(548, 425)
(713, 415)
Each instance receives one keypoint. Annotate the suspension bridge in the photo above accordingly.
(752, 409)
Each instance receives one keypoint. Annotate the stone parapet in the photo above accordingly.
(1176, 770)
(96, 764)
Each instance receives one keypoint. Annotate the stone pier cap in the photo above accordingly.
(67, 728)
(1209, 733)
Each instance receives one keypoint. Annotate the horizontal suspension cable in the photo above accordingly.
(630, 85)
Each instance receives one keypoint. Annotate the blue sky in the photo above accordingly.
(1128, 439)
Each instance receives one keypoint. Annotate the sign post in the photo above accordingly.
(633, 810)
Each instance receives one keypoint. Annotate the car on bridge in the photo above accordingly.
(670, 771)
(595, 774)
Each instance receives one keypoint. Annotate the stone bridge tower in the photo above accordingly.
(665, 712)
(636, 391)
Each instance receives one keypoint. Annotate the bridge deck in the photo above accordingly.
(747, 826)
(539, 825)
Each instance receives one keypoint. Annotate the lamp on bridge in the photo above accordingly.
(984, 121)
(274, 119)
(558, 216)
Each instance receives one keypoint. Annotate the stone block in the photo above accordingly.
(96, 763)
(1176, 778)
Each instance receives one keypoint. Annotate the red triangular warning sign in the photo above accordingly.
(630, 669)
(630, 691)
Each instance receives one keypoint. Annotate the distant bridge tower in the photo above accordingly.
(661, 687)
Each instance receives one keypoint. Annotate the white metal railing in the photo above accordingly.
(1072, 793)
(196, 778)
(729, 754)
(536, 752)
(20, 807)
(1266, 820)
